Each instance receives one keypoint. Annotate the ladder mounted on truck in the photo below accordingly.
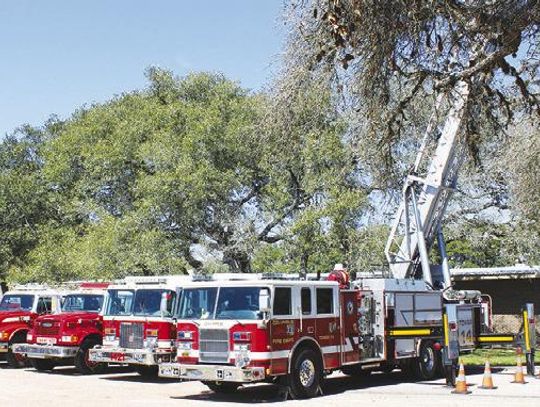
(425, 196)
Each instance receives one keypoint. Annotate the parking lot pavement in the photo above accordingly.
(121, 387)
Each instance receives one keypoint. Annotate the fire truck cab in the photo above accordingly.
(69, 335)
(232, 333)
(138, 323)
(18, 310)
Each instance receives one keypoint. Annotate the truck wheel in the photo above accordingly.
(428, 362)
(82, 358)
(42, 365)
(306, 374)
(222, 387)
(355, 371)
(16, 360)
(147, 371)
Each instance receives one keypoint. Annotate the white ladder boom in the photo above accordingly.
(424, 200)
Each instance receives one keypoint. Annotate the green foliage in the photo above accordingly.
(192, 172)
(24, 197)
(195, 172)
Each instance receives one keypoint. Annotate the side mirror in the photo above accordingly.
(264, 300)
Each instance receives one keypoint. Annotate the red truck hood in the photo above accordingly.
(70, 316)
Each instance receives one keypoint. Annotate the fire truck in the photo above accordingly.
(296, 332)
(68, 336)
(19, 309)
(138, 325)
(233, 333)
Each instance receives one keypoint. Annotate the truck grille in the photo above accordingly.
(131, 335)
(213, 346)
(48, 328)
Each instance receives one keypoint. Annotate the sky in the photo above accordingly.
(58, 55)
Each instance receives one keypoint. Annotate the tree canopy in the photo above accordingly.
(399, 55)
(191, 172)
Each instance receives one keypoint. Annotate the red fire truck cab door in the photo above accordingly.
(349, 327)
(328, 332)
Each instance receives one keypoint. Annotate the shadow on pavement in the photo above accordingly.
(261, 393)
(72, 371)
(270, 393)
(134, 377)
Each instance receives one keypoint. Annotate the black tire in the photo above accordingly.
(428, 361)
(355, 371)
(43, 365)
(147, 371)
(14, 360)
(222, 387)
(82, 360)
(306, 374)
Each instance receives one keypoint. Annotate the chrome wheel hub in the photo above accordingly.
(307, 373)
(428, 359)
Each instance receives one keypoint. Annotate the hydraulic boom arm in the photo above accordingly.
(425, 199)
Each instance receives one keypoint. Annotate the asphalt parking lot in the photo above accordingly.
(122, 387)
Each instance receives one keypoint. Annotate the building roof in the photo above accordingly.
(518, 271)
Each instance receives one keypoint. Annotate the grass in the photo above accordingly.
(496, 357)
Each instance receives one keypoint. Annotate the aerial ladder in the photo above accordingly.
(425, 195)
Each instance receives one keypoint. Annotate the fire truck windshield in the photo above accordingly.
(82, 303)
(148, 302)
(17, 302)
(120, 302)
(220, 303)
(142, 302)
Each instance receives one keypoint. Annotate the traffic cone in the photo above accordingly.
(487, 380)
(519, 377)
(461, 382)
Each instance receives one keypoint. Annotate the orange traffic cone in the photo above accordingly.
(519, 377)
(461, 382)
(487, 381)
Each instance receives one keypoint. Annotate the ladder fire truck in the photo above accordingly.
(19, 309)
(277, 329)
(68, 336)
(138, 324)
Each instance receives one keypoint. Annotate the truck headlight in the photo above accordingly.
(184, 345)
(69, 339)
(4, 336)
(241, 347)
(242, 358)
(150, 342)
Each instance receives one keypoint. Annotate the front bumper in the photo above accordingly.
(45, 351)
(211, 373)
(146, 357)
(4, 347)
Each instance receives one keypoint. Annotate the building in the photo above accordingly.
(509, 288)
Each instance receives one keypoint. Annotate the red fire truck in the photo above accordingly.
(232, 333)
(295, 332)
(68, 336)
(18, 310)
(138, 324)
